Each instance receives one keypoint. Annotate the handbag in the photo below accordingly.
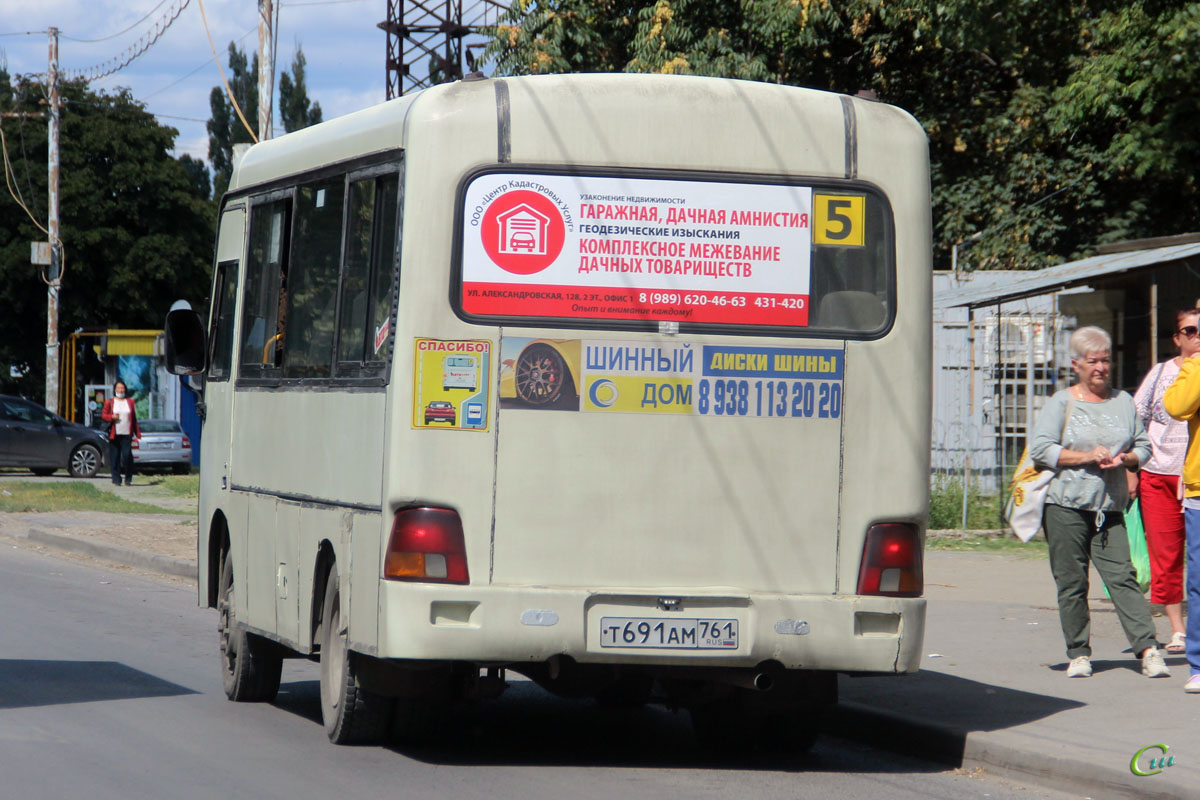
(1028, 489)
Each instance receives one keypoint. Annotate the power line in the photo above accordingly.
(120, 62)
(119, 33)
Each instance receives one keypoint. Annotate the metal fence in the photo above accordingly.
(994, 369)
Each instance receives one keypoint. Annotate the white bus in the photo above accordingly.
(695, 467)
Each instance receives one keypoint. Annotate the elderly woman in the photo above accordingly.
(1090, 434)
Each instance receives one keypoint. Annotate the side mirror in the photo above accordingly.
(185, 342)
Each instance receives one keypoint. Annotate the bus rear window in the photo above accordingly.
(767, 258)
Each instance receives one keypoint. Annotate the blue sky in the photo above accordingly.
(344, 49)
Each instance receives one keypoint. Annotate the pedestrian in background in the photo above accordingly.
(1084, 513)
(1182, 401)
(1159, 485)
(121, 414)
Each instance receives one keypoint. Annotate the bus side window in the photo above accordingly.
(368, 277)
(313, 279)
(266, 286)
(221, 337)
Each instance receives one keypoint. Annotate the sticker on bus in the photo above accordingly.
(450, 384)
(603, 248)
(708, 380)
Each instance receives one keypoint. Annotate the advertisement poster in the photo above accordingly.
(701, 380)
(601, 248)
(450, 384)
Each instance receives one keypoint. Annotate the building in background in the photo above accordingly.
(1000, 343)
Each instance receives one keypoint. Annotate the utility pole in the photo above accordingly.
(266, 68)
(55, 271)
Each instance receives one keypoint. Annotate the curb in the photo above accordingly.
(953, 747)
(166, 565)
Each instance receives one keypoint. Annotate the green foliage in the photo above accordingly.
(295, 109)
(225, 128)
(945, 507)
(187, 486)
(135, 222)
(1053, 125)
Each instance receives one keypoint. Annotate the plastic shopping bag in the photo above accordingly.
(1138, 553)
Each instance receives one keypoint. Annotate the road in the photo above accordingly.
(109, 687)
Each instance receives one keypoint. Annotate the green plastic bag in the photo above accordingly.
(1138, 553)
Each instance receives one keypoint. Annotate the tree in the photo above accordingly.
(135, 222)
(225, 128)
(295, 110)
(1050, 121)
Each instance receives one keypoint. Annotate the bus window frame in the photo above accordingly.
(389, 161)
(272, 375)
(831, 184)
(221, 276)
(374, 369)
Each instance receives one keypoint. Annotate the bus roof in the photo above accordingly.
(579, 105)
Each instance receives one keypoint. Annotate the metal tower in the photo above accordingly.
(425, 40)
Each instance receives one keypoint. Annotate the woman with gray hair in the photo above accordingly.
(1090, 434)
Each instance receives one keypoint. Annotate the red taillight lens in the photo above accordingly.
(187, 445)
(891, 562)
(135, 444)
(427, 544)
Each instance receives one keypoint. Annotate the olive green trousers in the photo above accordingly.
(1074, 542)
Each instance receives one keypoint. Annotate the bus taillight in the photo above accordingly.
(427, 544)
(891, 562)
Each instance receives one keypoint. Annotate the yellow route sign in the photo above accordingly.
(839, 219)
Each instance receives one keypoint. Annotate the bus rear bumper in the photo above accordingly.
(499, 624)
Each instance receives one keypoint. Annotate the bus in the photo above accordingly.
(694, 468)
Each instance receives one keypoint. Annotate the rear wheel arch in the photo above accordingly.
(326, 558)
(218, 546)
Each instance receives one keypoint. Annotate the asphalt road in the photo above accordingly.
(109, 687)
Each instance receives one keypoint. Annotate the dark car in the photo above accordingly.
(163, 444)
(31, 436)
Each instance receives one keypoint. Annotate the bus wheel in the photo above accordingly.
(541, 374)
(250, 666)
(351, 713)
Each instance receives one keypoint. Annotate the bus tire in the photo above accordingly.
(351, 713)
(250, 666)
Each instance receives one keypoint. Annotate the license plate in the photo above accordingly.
(158, 445)
(669, 634)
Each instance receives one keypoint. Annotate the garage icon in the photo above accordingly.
(523, 231)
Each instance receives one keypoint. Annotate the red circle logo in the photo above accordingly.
(523, 232)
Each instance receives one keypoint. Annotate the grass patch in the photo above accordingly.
(1007, 545)
(187, 486)
(21, 496)
(946, 501)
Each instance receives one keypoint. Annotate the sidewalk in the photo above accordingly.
(992, 691)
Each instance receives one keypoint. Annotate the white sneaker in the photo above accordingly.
(1153, 665)
(1081, 667)
(1193, 684)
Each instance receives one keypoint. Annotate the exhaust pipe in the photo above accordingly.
(756, 680)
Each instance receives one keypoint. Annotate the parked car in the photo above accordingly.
(163, 444)
(33, 437)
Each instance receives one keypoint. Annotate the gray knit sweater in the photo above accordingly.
(1113, 423)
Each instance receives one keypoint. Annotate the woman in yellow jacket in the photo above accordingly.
(1182, 401)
